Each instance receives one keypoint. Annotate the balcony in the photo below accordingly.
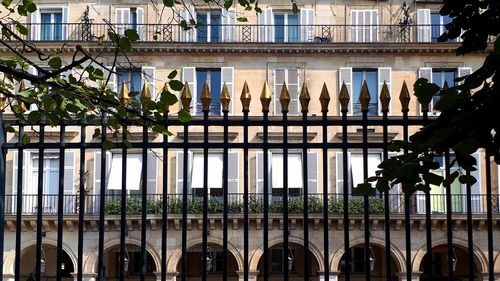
(240, 33)
(154, 204)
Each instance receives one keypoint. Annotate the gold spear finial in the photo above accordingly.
(245, 98)
(186, 97)
(225, 99)
(404, 97)
(206, 98)
(364, 97)
(284, 98)
(21, 104)
(344, 98)
(304, 98)
(265, 97)
(165, 90)
(385, 98)
(124, 94)
(145, 93)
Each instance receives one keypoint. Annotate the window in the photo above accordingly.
(375, 79)
(136, 262)
(430, 25)
(215, 180)
(357, 264)
(130, 18)
(216, 25)
(49, 24)
(439, 76)
(216, 77)
(355, 169)
(277, 260)
(290, 76)
(50, 181)
(295, 173)
(364, 26)
(134, 79)
(284, 26)
(438, 23)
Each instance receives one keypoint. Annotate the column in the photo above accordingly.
(170, 276)
(415, 276)
(85, 276)
(332, 276)
(252, 275)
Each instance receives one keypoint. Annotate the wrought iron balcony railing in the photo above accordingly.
(239, 33)
(256, 204)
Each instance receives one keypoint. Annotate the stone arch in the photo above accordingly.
(396, 254)
(419, 256)
(90, 265)
(9, 259)
(257, 254)
(175, 257)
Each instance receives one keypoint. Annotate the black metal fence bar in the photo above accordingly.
(240, 33)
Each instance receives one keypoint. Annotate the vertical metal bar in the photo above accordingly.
(164, 205)
(285, 196)
(60, 205)
(306, 197)
(428, 221)
(265, 142)
(39, 211)
(19, 200)
(347, 248)
(387, 219)
(102, 198)
(366, 203)
(123, 205)
(470, 242)
(184, 204)
(2, 190)
(82, 193)
(205, 198)
(144, 211)
(407, 207)
(225, 187)
(449, 222)
(245, 197)
(489, 218)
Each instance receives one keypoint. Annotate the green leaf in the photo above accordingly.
(432, 178)
(424, 91)
(465, 179)
(176, 85)
(449, 180)
(9, 129)
(295, 8)
(124, 43)
(168, 3)
(184, 116)
(25, 139)
(34, 117)
(168, 98)
(467, 146)
(132, 35)
(96, 134)
(21, 29)
(107, 145)
(172, 74)
(228, 4)
(364, 189)
(55, 63)
(242, 19)
(258, 10)
(6, 3)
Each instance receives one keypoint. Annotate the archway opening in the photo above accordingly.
(214, 261)
(49, 258)
(296, 260)
(440, 260)
(133, 263)
(378, 264)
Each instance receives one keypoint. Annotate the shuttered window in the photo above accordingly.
(364, 26)
(49, 24)
(290, 76)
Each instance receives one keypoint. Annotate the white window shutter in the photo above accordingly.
(228, 25)
(339, 170)
(141, 27)
(122, 16)
(384, 75)
(33, 71)
(293, 84)
(97, 172)
(148, 78)
(15, 170)
(259, 168)
(312, 172)
(464, 71)
(345, 76)
(423, 25)
(266, 25)
(65, 21)
(113, 80)
(279, 77)
(180, 171)
(189, 76)
(186, 15)
(151, 175)
(233, 172)
(425, 72)
(477, 201)
(306, 25)
(36, 20)
(227, 75)
(69, 172)
(355, 22)
(374, 28)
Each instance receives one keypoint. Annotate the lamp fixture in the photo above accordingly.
(126, 261)
(291, 259)
(210, 260)
(43, 262)
(453, 259)
(372, 259)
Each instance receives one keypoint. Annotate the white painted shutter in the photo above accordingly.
(97, 170)
(384, 75)
(227, 75)
(345, 76)
(464, 71)
(396, 198)
(187, 15)
(233, 172)
(266, 25)
(151, 173)
(279, 77)
(65, 21)
(229, 25)
(259, 168)
(141, 28)
(312, 172)
(189, 76)
(477, 198)
(36, 20)
(293, 84)
(148, 77)
(113, 80)
(355, 28)
(306, 25)
(339, 172)
(426, 72)
(180, 171)
(122, 20)
(374, 28)
(423, 25)
(69, 172)
(31, 70)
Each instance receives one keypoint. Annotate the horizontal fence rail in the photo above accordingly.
(237, 33)
(237, 197)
